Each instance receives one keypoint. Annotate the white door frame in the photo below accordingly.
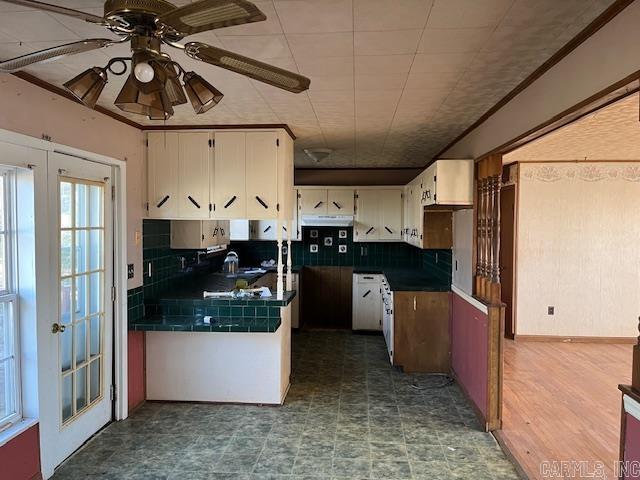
(43, 265)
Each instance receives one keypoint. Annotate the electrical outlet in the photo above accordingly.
(550, 310)
(130, 271)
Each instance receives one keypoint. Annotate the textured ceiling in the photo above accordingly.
(392, 81)
(611, 133)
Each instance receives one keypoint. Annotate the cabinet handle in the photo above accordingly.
(337, 206)
(222, 232)
(318, 204)
(368, 278)
(193, 201)
(414, 304)
(163, 201)
(228, 204)
(261, 202)
(366, 293)
(284, 228)
(215, 231)
(388, 229)
(267, 229)
(369, 231)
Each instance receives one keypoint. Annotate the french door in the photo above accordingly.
(81, 324)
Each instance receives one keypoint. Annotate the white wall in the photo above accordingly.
(578, 249)
(463, 250)
(607, 57)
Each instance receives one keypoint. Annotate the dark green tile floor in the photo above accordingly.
(348, 415)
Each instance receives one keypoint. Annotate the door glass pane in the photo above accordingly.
(96, 334)
(66, 216)
(81, 388)
(95, 290)
(80, 306)
(80, 338)
(66, 249)
(95, 247)
(67, 395)
(94, 379)
(82, 207)
(95, 216)
(82, 260)
(65, 301)
(66, 338)
(82, 250)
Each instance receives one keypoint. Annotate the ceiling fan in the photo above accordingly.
(153, 86)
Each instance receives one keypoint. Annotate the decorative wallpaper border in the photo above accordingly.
(585, 173)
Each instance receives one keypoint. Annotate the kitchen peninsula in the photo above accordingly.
(218, 349)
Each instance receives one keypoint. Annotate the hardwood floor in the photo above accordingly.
(561, 402)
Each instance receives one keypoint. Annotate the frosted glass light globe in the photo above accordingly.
(143, 72)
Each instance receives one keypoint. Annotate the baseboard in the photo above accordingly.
(481, 418)
(562, 339)
(509, 454)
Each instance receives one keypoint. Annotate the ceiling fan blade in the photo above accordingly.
(211, 14)
(87, 17)
(50, 54)
(249, 67)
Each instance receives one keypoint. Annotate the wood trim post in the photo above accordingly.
(280, 282)
(495, 315)
(635, 367)
(289, 225)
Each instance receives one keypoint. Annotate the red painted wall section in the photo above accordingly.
(469, 349)
(632, 444)
(20, 457)
(136, 369)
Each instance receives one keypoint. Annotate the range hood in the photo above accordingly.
(327, 220)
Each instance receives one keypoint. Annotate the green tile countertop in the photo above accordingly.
(408, 279)
(186, 323)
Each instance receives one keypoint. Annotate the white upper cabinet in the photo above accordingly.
(378, 215)
(229, 189)
(390, 214)
(448, 182)
(193, 176)
(340, 202)
(312, 201)
(262, 174)
(162, 178)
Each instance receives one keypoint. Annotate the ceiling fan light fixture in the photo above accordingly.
(88, 86)
(202, 94)
(174, 90)
(155, 105)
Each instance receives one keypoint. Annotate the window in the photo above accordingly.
(10, 406)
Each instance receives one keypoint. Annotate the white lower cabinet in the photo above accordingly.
(367, 302)
(387, 317)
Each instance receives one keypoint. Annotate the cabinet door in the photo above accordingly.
(238, 229)
(418, 215)
(453, 183)
(429, 186)
(340, 202)
(367, 306)
(313, 201)
(162, 160)
(264, 229)
(229, 191)
(367, 218)
(390, 214)
(193, 177)
(190, 234)
(262, 175)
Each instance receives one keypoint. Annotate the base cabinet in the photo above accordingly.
(421, 342)
(367, 302)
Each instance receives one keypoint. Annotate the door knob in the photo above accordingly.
(57, 328)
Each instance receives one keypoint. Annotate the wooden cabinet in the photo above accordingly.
(199, 234)
(448, 182)
(367, 302)
(421, 332)
(340, 202)
(163, 150)
(320, 284)
(437, 229)
(378, 215)
(312, 201)
(229, 189)
(261, 175)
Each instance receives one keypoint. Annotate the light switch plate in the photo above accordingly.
(130, 271)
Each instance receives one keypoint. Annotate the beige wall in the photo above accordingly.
(30, 110)
(463, 250)
(578, 233)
